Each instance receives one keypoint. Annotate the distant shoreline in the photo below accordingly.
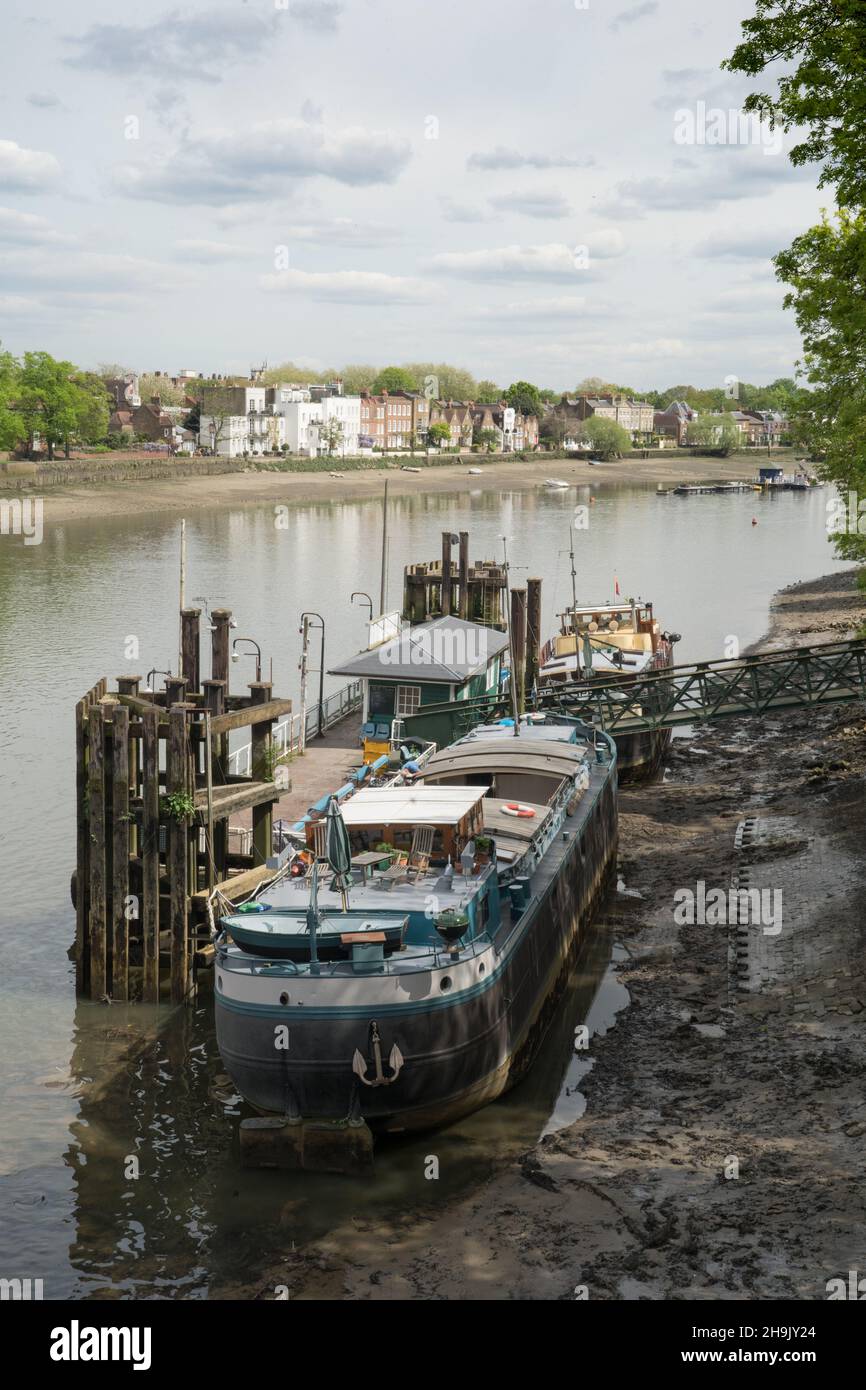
(70, 502)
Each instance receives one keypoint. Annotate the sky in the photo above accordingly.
(539, 191)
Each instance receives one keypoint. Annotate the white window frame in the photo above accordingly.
(404, 709)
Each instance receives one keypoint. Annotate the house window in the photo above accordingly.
(408, 699)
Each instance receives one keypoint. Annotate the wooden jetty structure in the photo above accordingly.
(154, 797)
(440, 588)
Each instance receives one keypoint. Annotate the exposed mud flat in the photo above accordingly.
(720, 1155)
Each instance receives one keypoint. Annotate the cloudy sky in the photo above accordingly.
(512, 187)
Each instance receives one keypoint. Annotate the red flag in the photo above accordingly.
(616, 586)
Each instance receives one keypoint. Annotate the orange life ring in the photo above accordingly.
(515, 808)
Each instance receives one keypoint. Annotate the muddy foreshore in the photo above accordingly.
(720, 1153)
(182, 495)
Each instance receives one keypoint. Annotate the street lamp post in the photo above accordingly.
(236, 655)
(359, 593)
(305, 619)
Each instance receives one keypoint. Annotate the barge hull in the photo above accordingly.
(457, 1054)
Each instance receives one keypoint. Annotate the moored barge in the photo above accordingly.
(424, 991)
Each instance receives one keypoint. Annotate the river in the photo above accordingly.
(118, 1156)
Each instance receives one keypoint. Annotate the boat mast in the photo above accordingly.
(382, 594)
(573, 572)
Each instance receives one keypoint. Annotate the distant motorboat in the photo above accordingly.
(407, 468)
(556, 482)
(475, 470)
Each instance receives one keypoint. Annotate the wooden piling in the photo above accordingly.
(446, 574)
(190, 648)
(129, 685)
(82, 872)
(175, 691)
(260, 694)
(214, 692)
(219, 670)
(177, 784)
(150, 857)
(97, 854)
(518, 645)
(119, 988)
(463, 576)
(533, 633)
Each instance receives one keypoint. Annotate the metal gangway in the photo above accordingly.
(767, 683)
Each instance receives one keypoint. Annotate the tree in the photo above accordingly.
(10, 420)
(439, 433)
(92, 408)
(394, 379)
(523, 396)
(716, 432)
(816, 47)
(597, 386)
(48, 399)
(331, 433)
(440, 381)
(488, 438)
(358, 378)
(821, 93)
(487, 393)
(553, 429)
(605, 437)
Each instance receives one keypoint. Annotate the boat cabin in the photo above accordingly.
(606, 638)
(390, 815)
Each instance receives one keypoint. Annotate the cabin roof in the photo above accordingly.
(500, 754)
(417, 805)
(447, 650)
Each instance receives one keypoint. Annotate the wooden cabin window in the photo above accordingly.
(408, 699)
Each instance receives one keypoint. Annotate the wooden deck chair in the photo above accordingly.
(420, 851)
(395, 873)
(320, 839)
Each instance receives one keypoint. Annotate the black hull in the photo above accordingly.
(640, 756)
(458, 1055)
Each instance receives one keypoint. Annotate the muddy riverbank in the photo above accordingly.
(186, 494)
(720, 1153)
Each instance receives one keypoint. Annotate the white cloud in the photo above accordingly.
(26, 229)
(26, 171)
(256, 162)
(501, 158)
(342, 231)
(657, 347)
(319, 15)
(562, 307)
(198, 47)
(350, 286)
(211, 252)
(553, 261)
(532, 204)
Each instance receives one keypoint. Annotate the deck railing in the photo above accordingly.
(286, 736)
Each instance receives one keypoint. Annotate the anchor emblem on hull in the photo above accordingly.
(360, 1063)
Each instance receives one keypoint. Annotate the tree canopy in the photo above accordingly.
(820, 83)
(525, 397)
(820, 91)
(394, 379)
(607, 439)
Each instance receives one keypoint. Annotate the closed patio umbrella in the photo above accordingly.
(339, 852)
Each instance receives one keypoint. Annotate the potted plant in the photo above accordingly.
(483, 851)
(388, 850)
